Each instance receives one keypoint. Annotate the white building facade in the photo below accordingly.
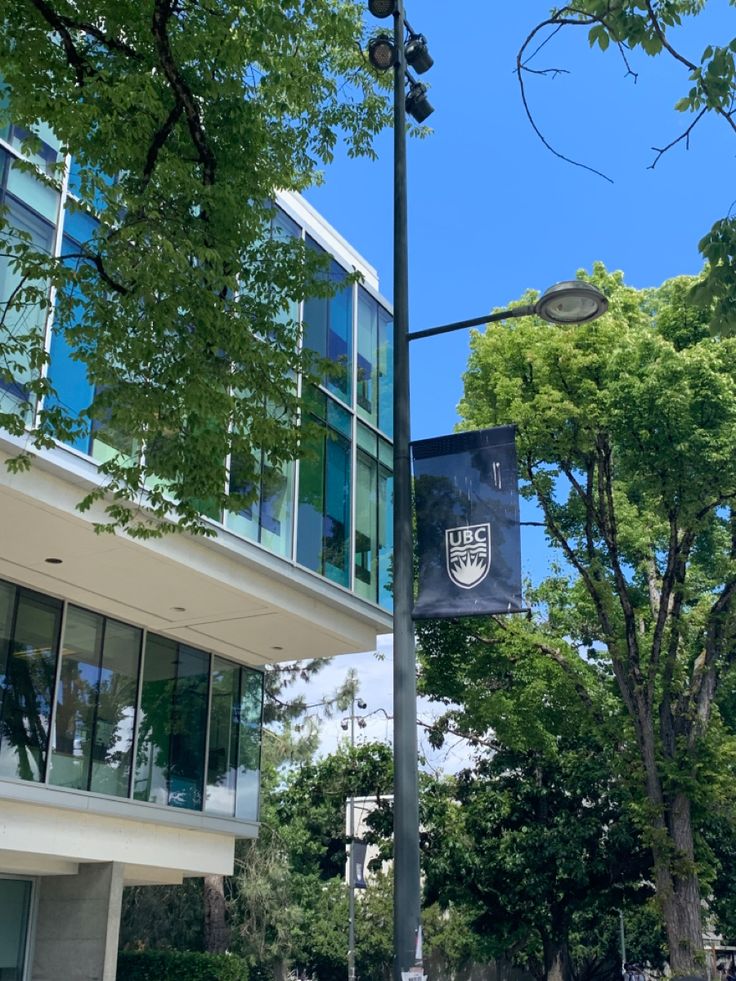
(131, 672)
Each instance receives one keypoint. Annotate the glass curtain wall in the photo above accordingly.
(349, 333)
(29, 639)
(324, 488)
(83, 737)
(95, 704)
(233, 761)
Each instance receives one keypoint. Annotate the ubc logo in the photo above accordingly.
(468, 554)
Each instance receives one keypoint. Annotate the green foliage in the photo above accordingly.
(627, 443)
(162, 917)
(536, 844)
(173, 965)
(184, 120)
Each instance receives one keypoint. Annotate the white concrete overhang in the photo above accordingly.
(221, 594)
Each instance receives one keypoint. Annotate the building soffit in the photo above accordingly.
(225, 594)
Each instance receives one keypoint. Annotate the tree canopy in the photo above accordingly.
(184, 120)
(627, 443)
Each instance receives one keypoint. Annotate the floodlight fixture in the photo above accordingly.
(382, 8)
(361, 704)
(382, 52)
(417, 54)
(344, 724)
(571, 302)
(417, 104)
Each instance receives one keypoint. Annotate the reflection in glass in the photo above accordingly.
(95, 704)
(233, 766)
(23, 321)
(323, 541)
(170, 757)
(328, 331)
(28, 665)
(15, 903)
(249, 750)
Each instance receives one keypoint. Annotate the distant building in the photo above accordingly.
(131, 672)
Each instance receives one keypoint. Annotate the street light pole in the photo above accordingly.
(351, 864)
(406, 805)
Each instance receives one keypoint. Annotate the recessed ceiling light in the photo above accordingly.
(179, 609)
(53, 561)
(277, 648)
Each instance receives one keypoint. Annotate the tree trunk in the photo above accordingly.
(675, 878)
(681, 902)
(557, 964)
(216, 930)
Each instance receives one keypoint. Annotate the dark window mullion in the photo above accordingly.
(96, 708)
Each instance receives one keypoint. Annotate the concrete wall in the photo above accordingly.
(77, 926)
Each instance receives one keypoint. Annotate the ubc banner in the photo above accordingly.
(468, 540)
(361, 849)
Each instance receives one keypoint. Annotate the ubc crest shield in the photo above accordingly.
(468, 554)
(467, 520)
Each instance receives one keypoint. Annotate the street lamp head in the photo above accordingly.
(571, 302)
(417, 104)
(417, 54)
(344, 724)
(381, 8)
(381, 52)
(361, 704)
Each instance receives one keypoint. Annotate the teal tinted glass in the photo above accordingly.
(385, 372)
(170, 760)
(15, 903)
(249, 745)
(328, 330)
(222, 758)
(27, 685)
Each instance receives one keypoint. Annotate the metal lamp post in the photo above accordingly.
(568, 302)
(351, 834)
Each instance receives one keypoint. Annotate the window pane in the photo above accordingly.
(366, 519)
(170, 757)
(15, 903)
(188, 731)
(311, 501)
(28, 321)
(249, 754)
(43, 199)
(276, 511)
(385, 372)
(324, 494)
(367, 392)
(27, 686)
(328, 331)
(74, 391)
(337, 511)
(112, 745)
(156, 718)
(76, 699)
(222, 761)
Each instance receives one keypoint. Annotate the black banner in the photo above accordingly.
(468, 540)
(359, 854)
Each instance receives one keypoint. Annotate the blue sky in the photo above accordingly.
(492, 212)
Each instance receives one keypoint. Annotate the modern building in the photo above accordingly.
(131, 671)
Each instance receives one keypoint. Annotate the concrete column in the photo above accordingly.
(78, 923)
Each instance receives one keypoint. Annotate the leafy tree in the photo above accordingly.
(537, 839)
(627, 440)
(709, 80)
(184, 120)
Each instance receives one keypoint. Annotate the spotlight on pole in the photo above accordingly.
(417, 103)
(381, 52)
(571, 302)
(381, 8)
(417, 54)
